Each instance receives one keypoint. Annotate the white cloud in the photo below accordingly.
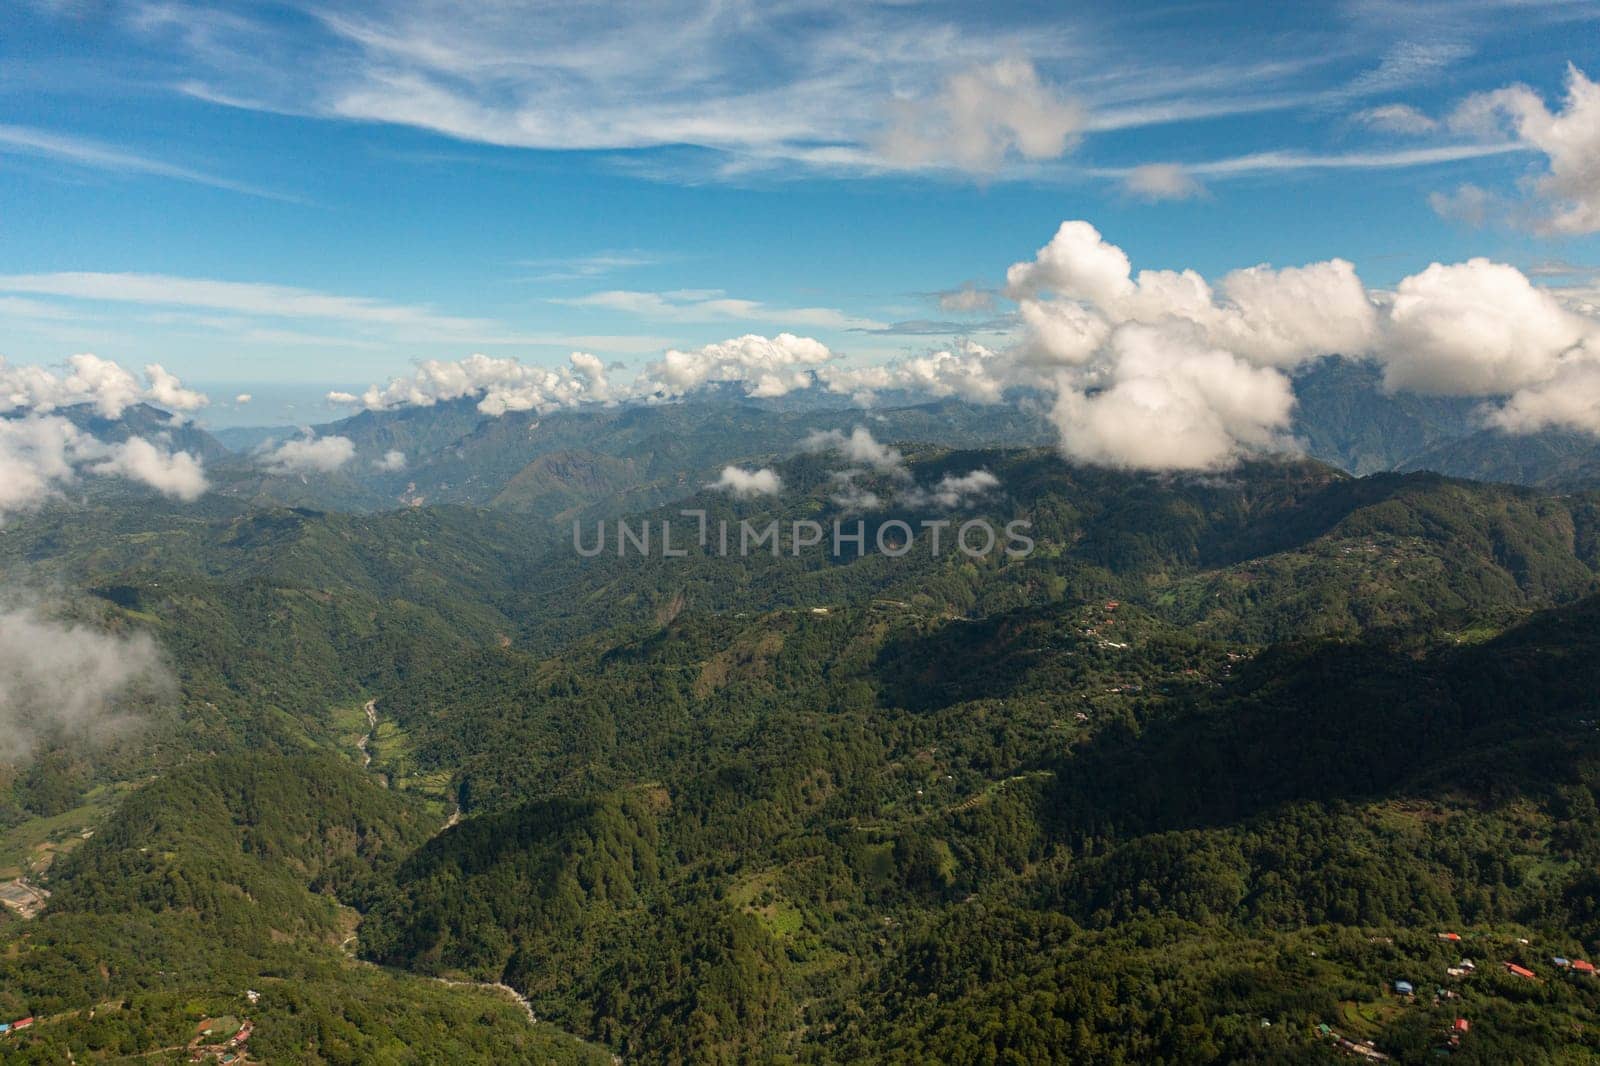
(251, 298)
(955, 490)
(1396, 118)
(42, 454)
(37, 456)
(83, 152)
(62, 681)
(1279, 317)
(1469, 204)
(968, 370)
(1475, 329)
(1076, 264)
(243, 399)
(393, 461)
(980, 117)
(1159, 371)
(1289, 161)
(968, 299)
(89, 379)
(322, 455)
(713, 306)
(852, 498)
(166, 391)
(1162, 181)
(583, 267)
(859, 447)
(1570, 399)
(1569, 190)
(500, 384)
(176, 474)
(1406, 64)
(766, 367)
(1170, 402)
(737, 481)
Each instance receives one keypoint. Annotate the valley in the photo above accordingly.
(823, 808)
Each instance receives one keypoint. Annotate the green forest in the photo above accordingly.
(1199, 781)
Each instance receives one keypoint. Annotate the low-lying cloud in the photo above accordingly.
(175, 474)
(308, 455)
(747, 484)
(88, 379)
(67, 682)
(859, 447)
(42, 453)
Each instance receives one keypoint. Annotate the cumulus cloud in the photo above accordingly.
(499, 384)
(165, 390)
(861, 448)
(967, 370)
(746, 484)
(175, 474)
(392, 462)
(1569, 191)
(981, 117)
(43, 454)
(1169, 401)
(1570, 399)
(1475, 329)
(1162, 181)
(243, 399)
(1160, 371)
(305, 455)
(67, 681)
(766, 367)
(1279, 317)
(88, 379)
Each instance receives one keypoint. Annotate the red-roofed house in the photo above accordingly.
(1582, 967)
(1461, 1025)
(1519, 970)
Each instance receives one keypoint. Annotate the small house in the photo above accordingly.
(1582, 967)
(1560, 962)
(1452, 937)
(1520, 971)
(1462, 1026)
(1404, 988)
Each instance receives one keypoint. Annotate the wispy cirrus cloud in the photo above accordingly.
(861, 89)
(366, 316)
(84, 152)
(1287, 161)
(712, 305)
(589, 267)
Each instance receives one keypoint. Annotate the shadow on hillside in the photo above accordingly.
(1354, 721)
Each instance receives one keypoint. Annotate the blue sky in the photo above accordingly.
(324, 194)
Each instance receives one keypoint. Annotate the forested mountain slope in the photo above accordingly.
(1099, 803)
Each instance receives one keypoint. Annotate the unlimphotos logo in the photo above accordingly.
(975, 538)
